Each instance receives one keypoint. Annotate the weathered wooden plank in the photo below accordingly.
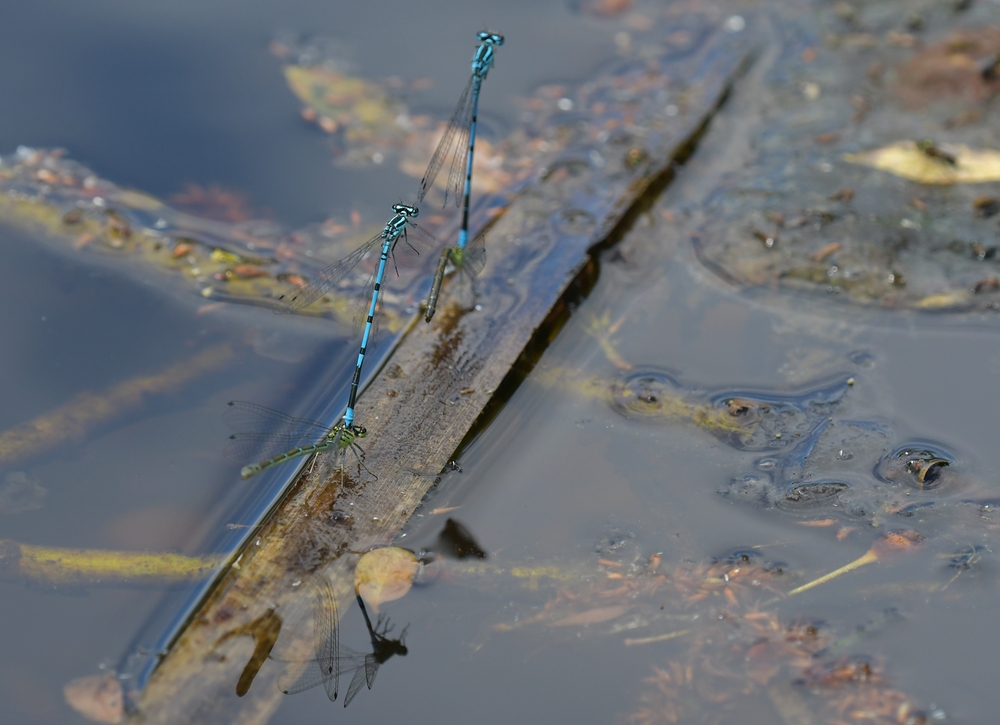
(441, 377)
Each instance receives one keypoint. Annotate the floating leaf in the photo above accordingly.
(97, 697)
(958, 164)
(384, 575)
(371, 123)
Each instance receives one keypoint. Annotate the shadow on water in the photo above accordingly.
(332, 658)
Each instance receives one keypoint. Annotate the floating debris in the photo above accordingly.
(892, 543)
(925, 162)
(384, 575)
(97, 697)
(778, 216)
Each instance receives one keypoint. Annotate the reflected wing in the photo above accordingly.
(458, 127)
(325, 668)
(371, 669)
(312, 676)
(356, 682)
(325, 626)
(316, 674)
(298, 297)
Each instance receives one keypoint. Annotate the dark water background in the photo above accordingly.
(156, 96)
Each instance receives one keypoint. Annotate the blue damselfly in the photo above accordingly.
(458, 143)
(329, 276)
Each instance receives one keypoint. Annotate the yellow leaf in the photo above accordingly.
(953, 164)
(384, 575)
(943, 300)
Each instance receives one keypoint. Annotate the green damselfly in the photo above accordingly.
(274, 437)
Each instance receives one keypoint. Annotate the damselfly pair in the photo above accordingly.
(302, 437)
(332, 659)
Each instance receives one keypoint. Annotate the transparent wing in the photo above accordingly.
(313, 676)
(263, 433)
(457, 127)
(405, 252)
(349, 660)
(474, 255)
(244, 417)
(356, 682)
(325, 625)
(325, 668)
(408, 248)
(246, 448)
(298, 297)
(364, 303)
(371, 669)
(419, 241)
(459, 163)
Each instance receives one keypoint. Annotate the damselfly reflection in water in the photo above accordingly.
(274, 437)
(332, 658)
(459, 142)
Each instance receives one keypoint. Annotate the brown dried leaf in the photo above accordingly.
(592, 616)
(96, 697)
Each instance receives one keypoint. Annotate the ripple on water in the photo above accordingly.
(920, 465)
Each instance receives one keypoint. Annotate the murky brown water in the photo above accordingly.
(638, 557)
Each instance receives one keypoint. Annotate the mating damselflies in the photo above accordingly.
(459, 142)
(275, 437)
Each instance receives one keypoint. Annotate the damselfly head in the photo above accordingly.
(486, 36)
(405, 209)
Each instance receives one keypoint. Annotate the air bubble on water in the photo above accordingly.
(735, 23)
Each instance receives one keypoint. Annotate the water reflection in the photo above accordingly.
(264, 630)
(457, 542)
(383, 647)
(332, 658)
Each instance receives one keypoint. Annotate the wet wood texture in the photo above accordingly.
(437, 383)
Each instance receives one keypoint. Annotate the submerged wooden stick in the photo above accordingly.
(86, 410)
(893, 542)
(435, 386)
(869, 557)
